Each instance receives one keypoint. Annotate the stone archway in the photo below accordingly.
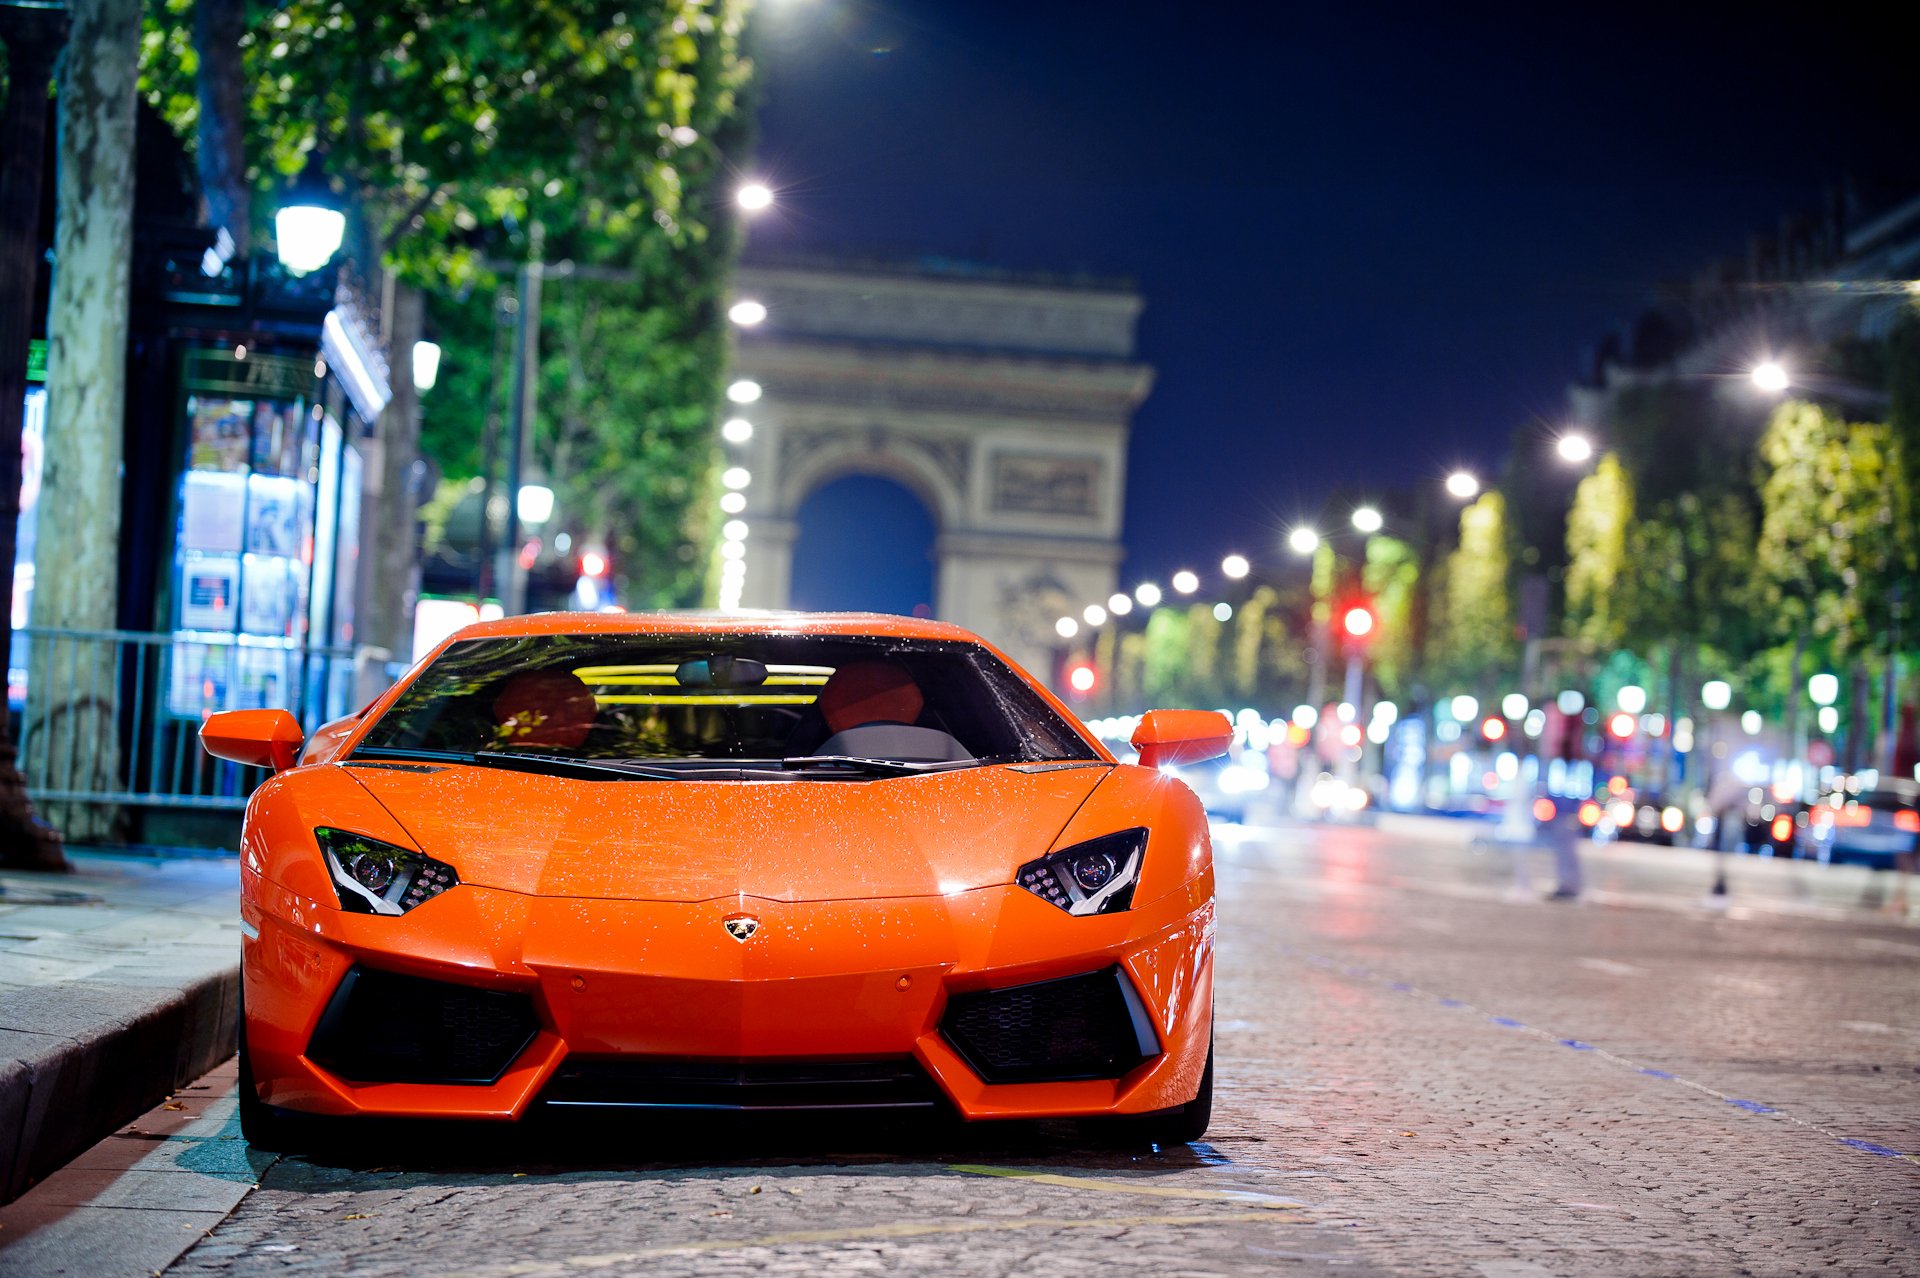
(1003, 404)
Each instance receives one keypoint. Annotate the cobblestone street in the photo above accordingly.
(1418, 1074)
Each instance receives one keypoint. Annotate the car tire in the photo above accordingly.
(1167, 1127)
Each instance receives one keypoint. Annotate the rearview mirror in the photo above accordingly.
(721, 672)
(258, 738)
(1181, 736)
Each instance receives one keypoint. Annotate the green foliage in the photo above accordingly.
(1391, 578)
(1474, 638)
(1597, 554)
(1836, 533)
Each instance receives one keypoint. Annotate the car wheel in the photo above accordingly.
(1168, 1127)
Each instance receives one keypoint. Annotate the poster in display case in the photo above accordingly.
(209, 591)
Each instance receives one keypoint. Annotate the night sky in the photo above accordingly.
(1374, 240)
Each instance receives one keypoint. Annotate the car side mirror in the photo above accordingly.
(1181, 736)
(257, 738)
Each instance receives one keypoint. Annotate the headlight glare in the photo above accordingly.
(1095, 877)
(375, 877)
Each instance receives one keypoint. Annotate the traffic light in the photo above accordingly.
(1357, 620)
(1083, 677)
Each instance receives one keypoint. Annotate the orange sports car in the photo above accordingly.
(725, 863)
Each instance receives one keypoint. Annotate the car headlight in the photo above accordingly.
(374, 877)
(1095, 877)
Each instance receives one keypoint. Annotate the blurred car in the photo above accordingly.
(1226, 787)
(1637, 818)
(1750, 817)
(1866, 822)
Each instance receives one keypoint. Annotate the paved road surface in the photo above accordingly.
(1417, 1075)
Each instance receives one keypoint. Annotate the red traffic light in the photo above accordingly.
(1082, 677)
(1357, 621)
(593, 564)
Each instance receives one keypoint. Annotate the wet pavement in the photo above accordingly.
(1420, 1072)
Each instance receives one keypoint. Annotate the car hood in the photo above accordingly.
(696, 840)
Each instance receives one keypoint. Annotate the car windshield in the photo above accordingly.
(788, 702)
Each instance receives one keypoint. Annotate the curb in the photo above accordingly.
(100, 1055)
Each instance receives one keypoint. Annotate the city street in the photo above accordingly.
(1419, 1074)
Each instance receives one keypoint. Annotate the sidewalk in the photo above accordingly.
(119, 983)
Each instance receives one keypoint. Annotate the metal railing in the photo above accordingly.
(113, 717)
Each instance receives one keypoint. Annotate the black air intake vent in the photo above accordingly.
(381, 1027)
(748, 1087)
(1079, 1027)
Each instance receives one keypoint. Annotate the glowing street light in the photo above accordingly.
(1367, 519)
(1632, 698)
(1303, 540)
(1235, 566)
(1716, 694)
(736, 477)
(1148, 594)
(754, 196)
(1120, 603)
(1095, 615)
(309, 227)
(426, 365)
(1185, 582)
(1066, 627)
(1574, 447)
(1771, 376)
(1463, 485)
(535, 504)
(744, 391)
(746, 312)
(733, 503)
(1824, 688)
(737, 430)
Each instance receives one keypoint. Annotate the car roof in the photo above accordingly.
(752, 622)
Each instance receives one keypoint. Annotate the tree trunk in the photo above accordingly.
(33, 38)
(222, 160)
(391, 539)
(70, 718)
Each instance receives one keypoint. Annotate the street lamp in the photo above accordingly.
(1716, 694)
(1095, 615)
(1463, 485)
(426, 364)
(1148, 594)
(746, 312)
(535, 504)
(1185, 582)
(1303, 540)
(1367, 519)
(753, 196)
(1120, 604)
(308, 228)
(1771, 376)
(1824, 688)
(737, 430)
(1235, 566)
(1574, 447)
(744, 391)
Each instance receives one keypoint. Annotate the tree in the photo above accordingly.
(70, 718)
(1391, 577)
(1475, 634)
(1597, 554)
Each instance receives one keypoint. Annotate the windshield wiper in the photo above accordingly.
(554, 764)
(875, 767)
(562, 765)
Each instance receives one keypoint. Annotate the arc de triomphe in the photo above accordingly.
(1003, 402)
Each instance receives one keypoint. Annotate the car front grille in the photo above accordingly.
(1078, 1027)
(381, 1027)
(737, 1086)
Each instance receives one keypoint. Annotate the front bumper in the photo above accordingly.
(663, 985)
